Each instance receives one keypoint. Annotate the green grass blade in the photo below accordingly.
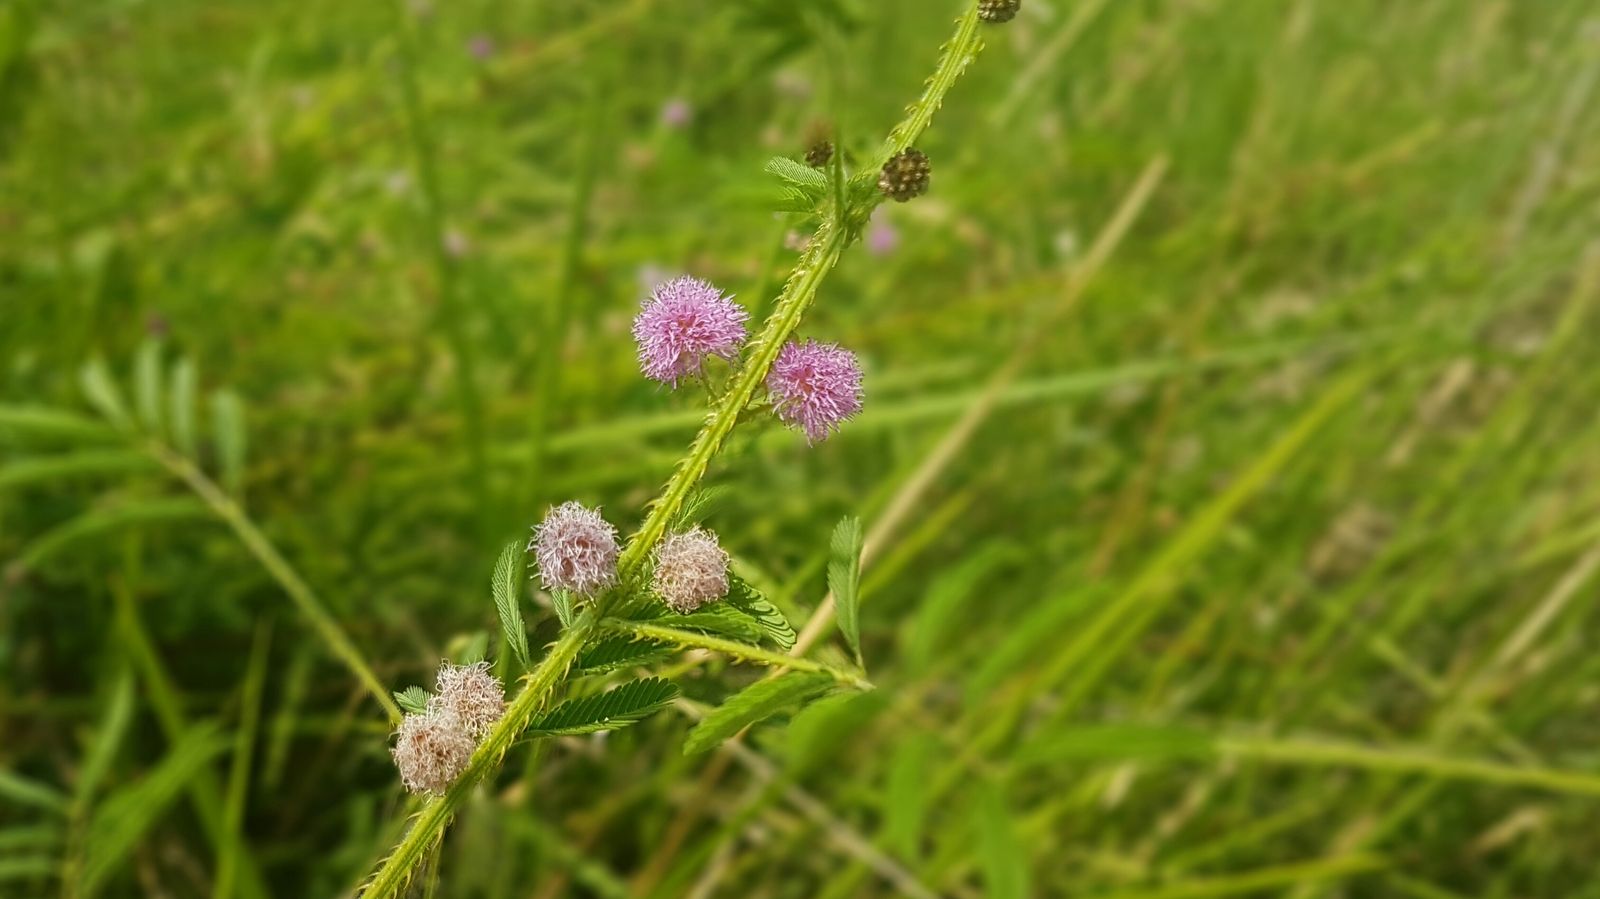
(755, 703)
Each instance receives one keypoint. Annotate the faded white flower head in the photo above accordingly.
(576, 550)
(470, 693)
(432, 751)
(691, 570)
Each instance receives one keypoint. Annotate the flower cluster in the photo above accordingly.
(434, 747)
(814, 387)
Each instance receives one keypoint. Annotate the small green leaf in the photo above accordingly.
(758, 702)
(413, 700)
(798, 174)
(1004, 864)
(227, 421)
(147, 386)
(83, 462)
(749, 600)
(618, 652)
(628, 704)
(507, 579)
(698, 506)
(719, 618)
(844, 577)
(791, 200)
(26, 791)
(42, 421)
(102, 393)
(562, 600)
(98, 521)
(181, 413)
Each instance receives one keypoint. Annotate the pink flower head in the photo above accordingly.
(684, 321)
(816, 386)
(676, 113)
(576, 550)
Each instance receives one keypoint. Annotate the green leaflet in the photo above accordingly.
(719, 618)
(618, 652)
(697, 507)
(562, 600)
(756, 703)
(507, 578)
(42, 421)
(128, 813)
(26, 791)
(628, 704)
(227, 422)
(83, 462)
(802, 176)
(98, 521)
(413, 700)
(180, 413)
(749, 600)
(147, 388)
(108, 736)
(844, 579)
(101, 391)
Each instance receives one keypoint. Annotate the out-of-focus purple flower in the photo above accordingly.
(882, 237)
(684, 321)
(815, 386)
(576, 550)
(456, 243)
(481, 46)
(676, 113)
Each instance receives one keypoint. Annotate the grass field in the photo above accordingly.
(1230, 460)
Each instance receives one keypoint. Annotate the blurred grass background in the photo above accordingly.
(1270, 575)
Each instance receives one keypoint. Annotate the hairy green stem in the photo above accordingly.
(259, 546)
(393, 877)
(730, 647)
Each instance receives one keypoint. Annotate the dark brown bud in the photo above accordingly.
(820, 154)
(905, 175)
(998, 10)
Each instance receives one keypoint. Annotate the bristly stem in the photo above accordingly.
(690, 639)
(833, 235)
(259, 546)
(393, 877)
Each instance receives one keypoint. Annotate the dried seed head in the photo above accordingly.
(816, 386)
(576, 550)
(684, 321)
(998, 10)
(470, 693)
(905, 175)
(432, 751)
(691, 570)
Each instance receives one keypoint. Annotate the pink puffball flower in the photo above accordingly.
(815, 386)
(576, 550)
(432, 750)
(474, 696)
(684, 321)
(691, 570)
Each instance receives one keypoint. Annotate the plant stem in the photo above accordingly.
(392, 878)
(282, 572)
(730, 647)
